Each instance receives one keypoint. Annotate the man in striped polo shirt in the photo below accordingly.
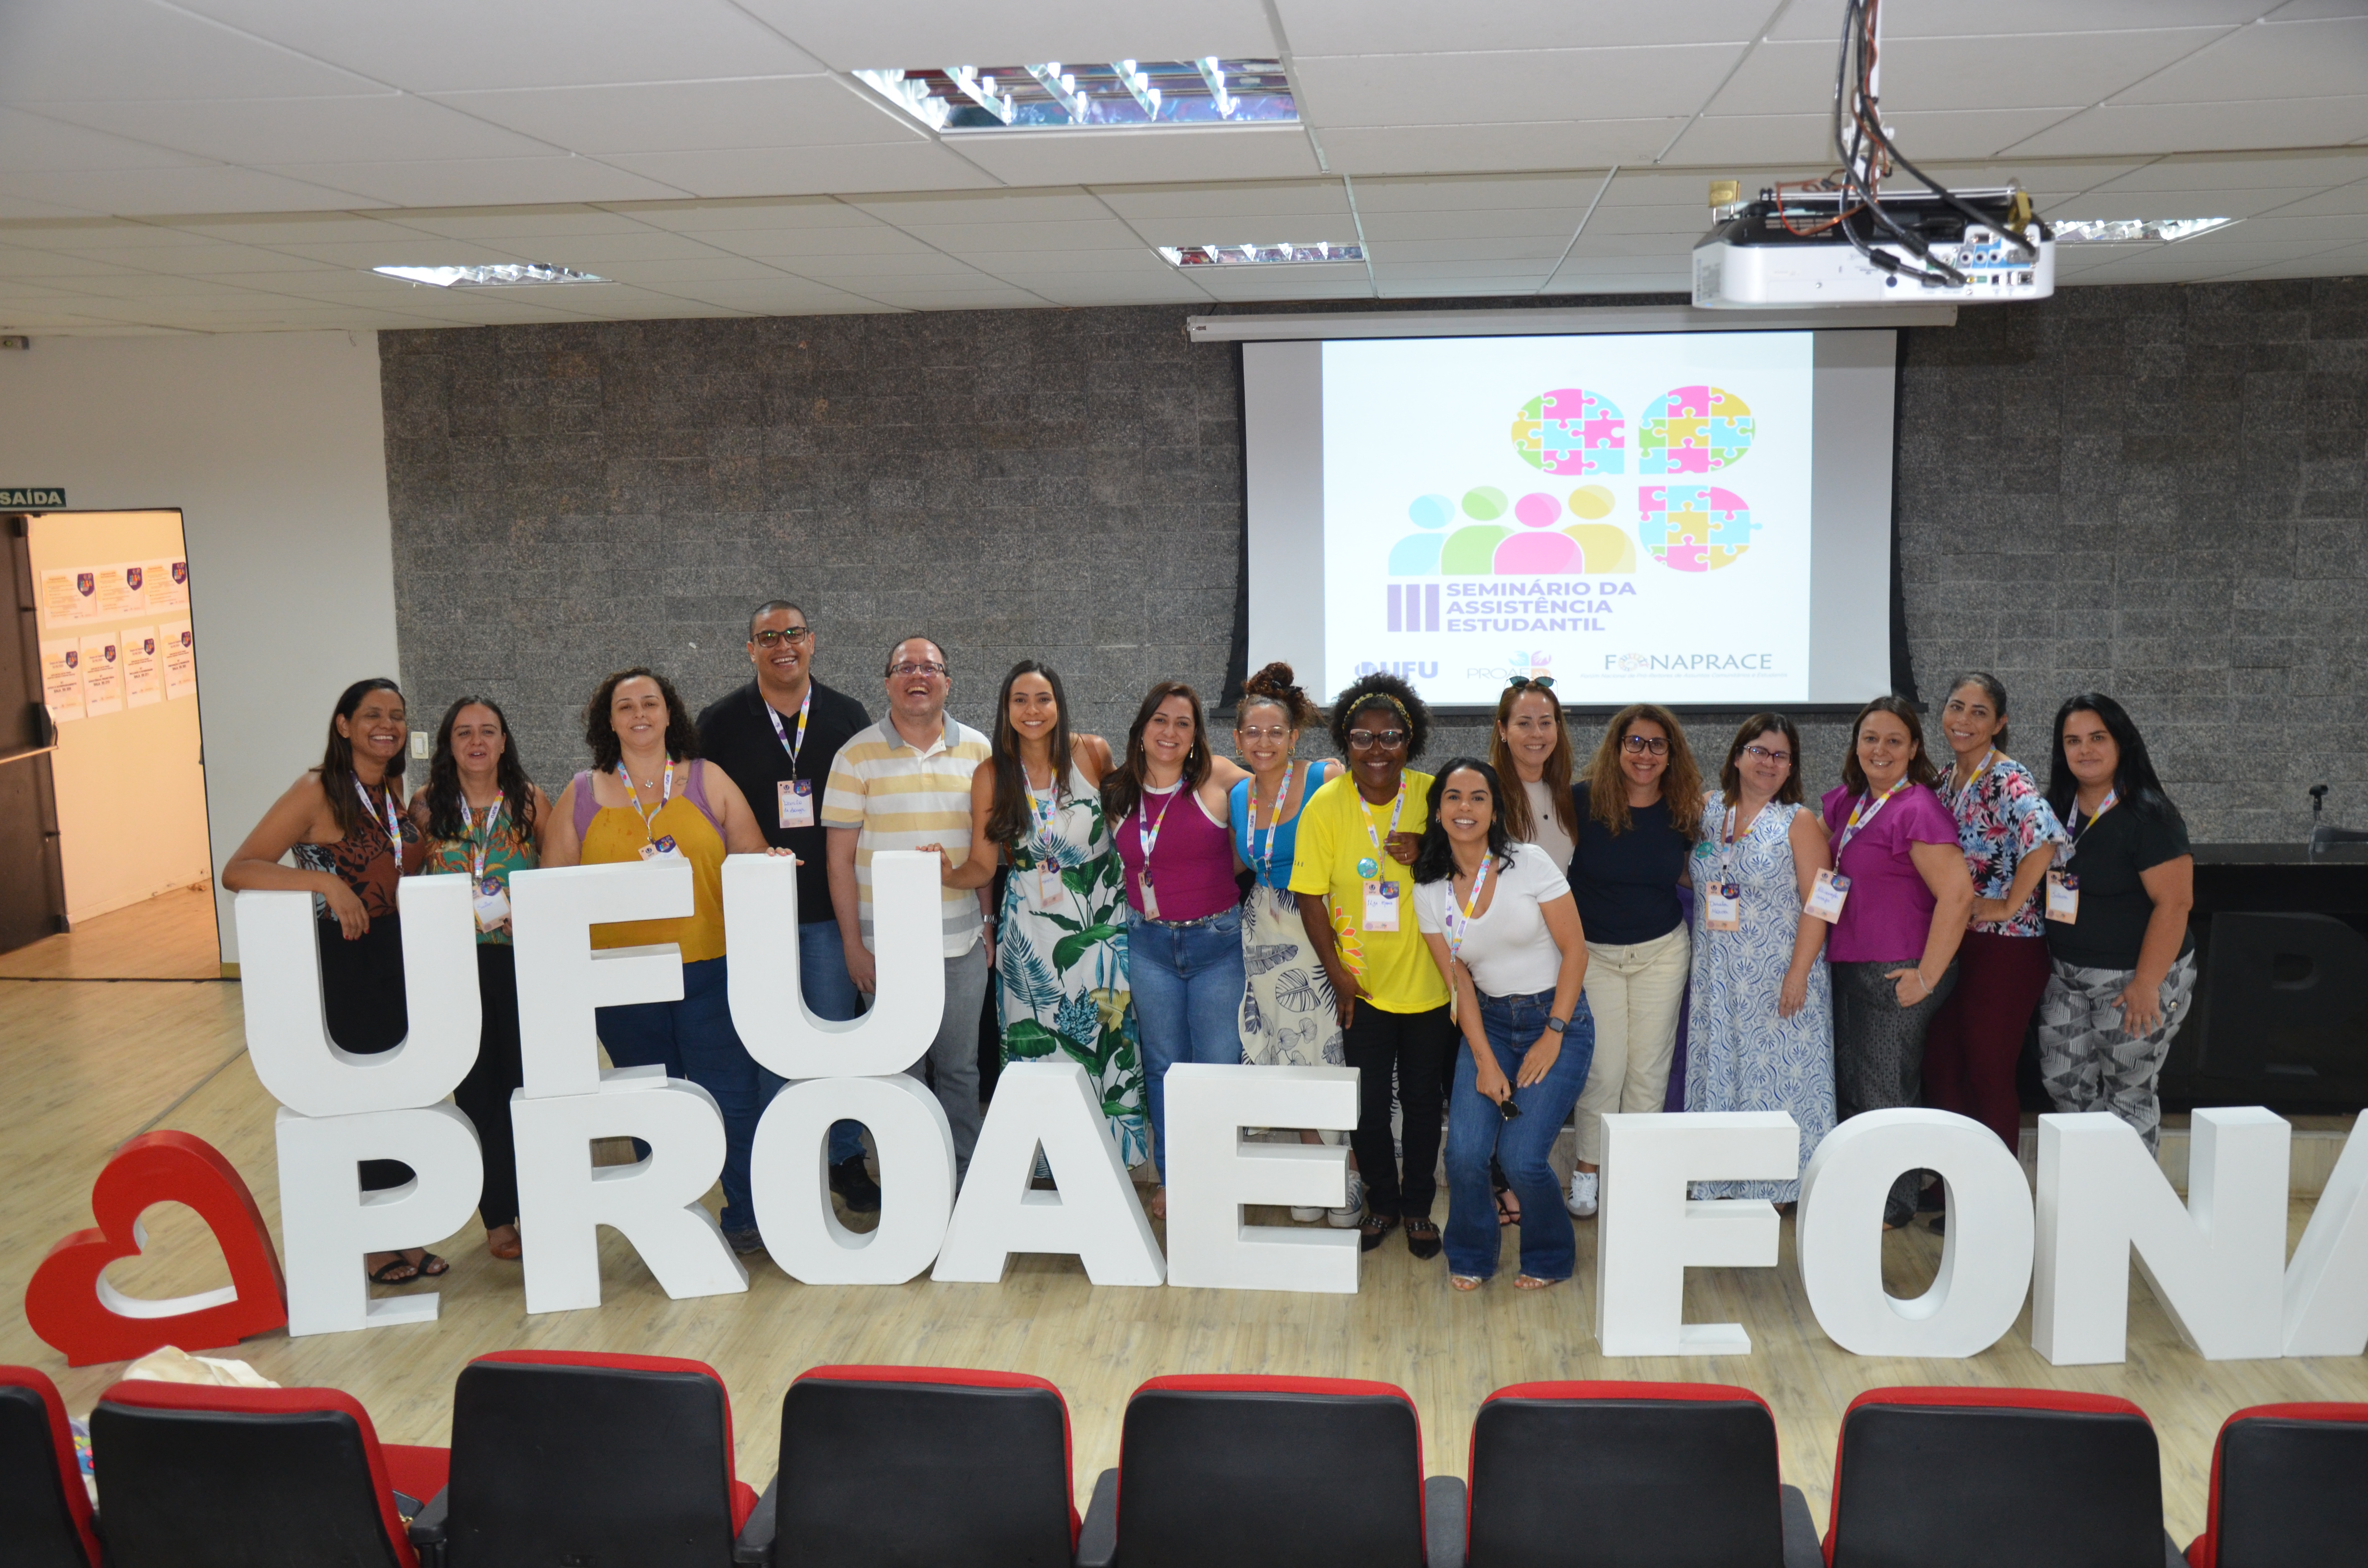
(899, 784)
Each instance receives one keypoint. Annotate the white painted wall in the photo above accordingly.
(273, 447)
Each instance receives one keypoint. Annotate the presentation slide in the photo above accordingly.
(1628, 514)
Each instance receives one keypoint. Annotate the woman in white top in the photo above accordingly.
(1502, 926)
(1531, 752)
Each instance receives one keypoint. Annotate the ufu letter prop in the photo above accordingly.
(1211, 1172)
(1650, 1233)
(2326, 1284)
(1095, 1213)
(331, 1224)
(2216, 1262)
(1984, 1256)
(568, 1100)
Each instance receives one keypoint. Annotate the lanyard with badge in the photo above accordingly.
(1832, 889)
(1381, 893)
(1265, 861)
(1146, 838)
(2062, 887)
(1966, 793)
(661, 846)
(393, 818)
(1461, 913)
(1723, 900)
(486, 893)
(1042, 808)
(794, 795)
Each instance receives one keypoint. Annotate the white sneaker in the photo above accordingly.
(1582, 1193)
(1347, 1216)
(1307, 1214)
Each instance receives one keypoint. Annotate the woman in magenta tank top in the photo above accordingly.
(1166, 804)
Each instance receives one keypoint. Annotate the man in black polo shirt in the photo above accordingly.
(776, 737)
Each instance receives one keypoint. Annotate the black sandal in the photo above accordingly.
(431, 1266)
(1508, 1208)
(1422, 1236)
(1373, 1228)
(385, 1273)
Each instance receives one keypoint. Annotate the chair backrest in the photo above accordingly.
(1944, 1477)
(2287, 1487)
(1291, 1472)
(44, 1508)
(912, 1467)
(193, 1476)
(1624, 1475)
(561, 1456)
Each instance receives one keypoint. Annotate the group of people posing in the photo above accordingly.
(1495, 946)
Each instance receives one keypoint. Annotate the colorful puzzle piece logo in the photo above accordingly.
(1693, 528)
(1572, 432)
(1693, 430)
(1484, 547)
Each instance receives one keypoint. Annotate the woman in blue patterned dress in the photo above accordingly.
(1762, 1037)
(1061, 962)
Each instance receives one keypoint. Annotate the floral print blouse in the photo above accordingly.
(2001, 817)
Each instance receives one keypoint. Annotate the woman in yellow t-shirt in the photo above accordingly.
(1357, 840)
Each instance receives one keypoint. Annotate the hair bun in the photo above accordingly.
(1276, 679)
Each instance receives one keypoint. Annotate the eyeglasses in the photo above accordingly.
(793, 636)
(1638, 746)
(1762, 754)
(1274, 733)
(917, 667)
(1509, 1107)
(1523, 682)
(1366, 740)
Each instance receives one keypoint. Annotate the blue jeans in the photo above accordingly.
(1188, 982)
(1476, 1130)
(830, 995)
(694, 1038)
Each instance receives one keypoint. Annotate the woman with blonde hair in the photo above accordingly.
(1639, 809)
(1531, 752)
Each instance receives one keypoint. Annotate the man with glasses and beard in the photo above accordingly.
(776, 737)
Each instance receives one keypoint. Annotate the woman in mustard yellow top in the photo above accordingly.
(647, 797)
(1357, 838)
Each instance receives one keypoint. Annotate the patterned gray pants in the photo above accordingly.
(1879, 1052)
(2089, 1061)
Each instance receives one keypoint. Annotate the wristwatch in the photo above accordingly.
(1557, 1025)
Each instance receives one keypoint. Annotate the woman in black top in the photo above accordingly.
(2122, 962)
(1639, 808)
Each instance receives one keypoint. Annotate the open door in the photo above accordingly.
(33, 894)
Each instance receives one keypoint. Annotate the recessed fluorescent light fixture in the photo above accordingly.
(2131, 231)
(1053, 94)
(497, 275)
(1257, 255)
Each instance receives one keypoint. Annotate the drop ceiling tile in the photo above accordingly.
(1394, 228)
(764, 301)
(792, 247)
(1284, 291)
(1938, 134)
(2313, 167)
(1140, 262)
(1688, 222)
(675, 277)
(2168, 204)
(1536, 269)
(928, 32)
(1542, 249)
(30, 265)
(1714, 139)
(1104, 234)
(1419, 27)
(1500, 192)
(425, 46)
(88, 234)
(62, 49)
(2046, 179)
(1261, 229)
(691, 117)
(1491, 148)
(195, 257)
(1619, 283)
(928, 298)
(12, 208)
(277, 131)
(449, 182)
(198, 188)
(1050, 205)
(2076, 68)
(1143, 291)
(2207, 127)
(34, 143)
(287, 228)
(1458, 288)
(1140, 156)
(1667, 247)
(807, 170)
(593, 252)
(1687, 187)
(2274, 60)
(1401, 91)
(1822, 19)
(758, 214)
(2296, 233)
(1226, 198)
(406, 248)
(838, 271)
(2342, 198)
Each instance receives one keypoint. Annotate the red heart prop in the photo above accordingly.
(76, 1312)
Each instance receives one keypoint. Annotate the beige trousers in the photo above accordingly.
(1633, 994)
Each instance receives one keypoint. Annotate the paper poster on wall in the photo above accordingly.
(166, 585)
(178, 653)
(68, 596)
(102, 675)
(121, 590)
(141, 682)
(61, 679)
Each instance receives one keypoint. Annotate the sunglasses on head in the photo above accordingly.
(1523, 682)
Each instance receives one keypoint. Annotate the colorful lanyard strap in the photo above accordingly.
(665, 793)
(393, 817)
(782, 735)
(1273, 824)
(1727, 844)
(479, 847)
(1371, 865)
(1457, 924)
(1041, 808)
(1146, 831)
(1863, 814)
(2111, 797)
(1966, 793)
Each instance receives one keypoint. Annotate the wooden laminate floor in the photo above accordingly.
(85, 1067)
(170, 937)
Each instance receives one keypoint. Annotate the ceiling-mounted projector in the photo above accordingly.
(1797, 248)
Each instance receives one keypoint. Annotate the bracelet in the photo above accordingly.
(1922, 982)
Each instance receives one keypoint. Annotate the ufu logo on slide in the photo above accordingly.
(2216, 1262)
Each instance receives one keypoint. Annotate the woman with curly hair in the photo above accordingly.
(647, 797)
(1638, 808)
(1352, 872)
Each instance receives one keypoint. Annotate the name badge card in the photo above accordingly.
(1723, 906)
(1381, 906)
(1049, 886)
(493, 904)
(2062, 898)
(796, 801)
(1825, 898)
(1150, 900)
(662, 849)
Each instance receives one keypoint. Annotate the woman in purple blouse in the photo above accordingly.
(1898, 898)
